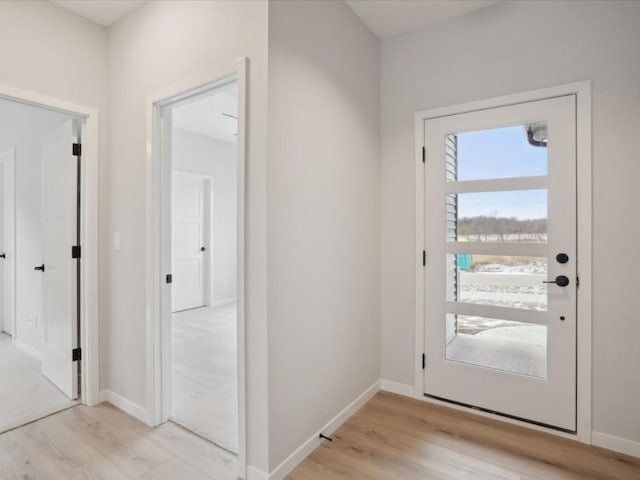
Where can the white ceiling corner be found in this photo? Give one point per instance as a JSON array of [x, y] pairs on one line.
[[388, 18], [102, 12]]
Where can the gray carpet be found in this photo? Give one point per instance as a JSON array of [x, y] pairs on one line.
[[25, 395], [205, 375]]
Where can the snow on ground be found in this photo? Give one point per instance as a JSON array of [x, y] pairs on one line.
[[537, 267], [513, 286]]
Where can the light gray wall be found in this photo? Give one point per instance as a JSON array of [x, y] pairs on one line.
[[197, 153], [323, 210], [159, 44], [22, 127], [509, 48]]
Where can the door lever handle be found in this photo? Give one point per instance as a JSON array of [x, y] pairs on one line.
[[41, 268], [3, 255], [561, 281]]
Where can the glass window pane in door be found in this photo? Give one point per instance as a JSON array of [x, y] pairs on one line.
[[507, 216], [513, 151], [497, 280], [500, 344]]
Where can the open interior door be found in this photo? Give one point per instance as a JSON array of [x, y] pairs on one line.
[[60, 215]]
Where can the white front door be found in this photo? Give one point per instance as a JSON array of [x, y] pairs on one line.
[[60, 291], [500, 216], [189, 244]]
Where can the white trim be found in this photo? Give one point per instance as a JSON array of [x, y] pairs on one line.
[[496, 185], [396, 387], [304, 450], [498, 248], [582, 90], [223, 301], [28, 349], [254, 473], [123, 404], [89, 322], [8, 160], [618, 444], [158, 241]]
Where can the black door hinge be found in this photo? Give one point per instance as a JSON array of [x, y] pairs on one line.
[[76, 251], [76, 354], [77, 149], [424, 258], [577, 282], [169, 278], [424, 155], [424, 361]]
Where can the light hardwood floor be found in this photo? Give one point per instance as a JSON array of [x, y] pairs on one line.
[[104, 443], [394, 437], [205, 392]]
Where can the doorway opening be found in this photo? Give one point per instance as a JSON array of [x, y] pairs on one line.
[[196, 263], [204, 265], [40, 243]]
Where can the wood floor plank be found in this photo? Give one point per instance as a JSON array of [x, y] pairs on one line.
[[397, 437], [103, 443]]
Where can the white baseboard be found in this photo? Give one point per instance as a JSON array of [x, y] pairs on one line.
[[125, 405], [28, 349], [255, 474], [222, 301], [304, 450], [399, 388], [622, 445]]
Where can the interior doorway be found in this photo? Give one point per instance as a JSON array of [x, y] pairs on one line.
[[40, 284], [196, 131], [204, 264]]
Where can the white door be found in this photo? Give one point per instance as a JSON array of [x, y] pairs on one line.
[[189, 246], [60, 169], [500, 216], [4, 320]]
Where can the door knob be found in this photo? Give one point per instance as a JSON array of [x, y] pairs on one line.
[[41, 268], [203, 249], [561, 281]]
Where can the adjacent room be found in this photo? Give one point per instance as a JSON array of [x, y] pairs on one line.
[[204, 267], [37, 301]]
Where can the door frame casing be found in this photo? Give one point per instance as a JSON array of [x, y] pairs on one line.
[[8, 161], [582, 91], [89, 306], [158, 294]]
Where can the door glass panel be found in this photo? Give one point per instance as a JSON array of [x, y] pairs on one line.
[[507, 216], [505, 345], [503, 281], [515, 151]]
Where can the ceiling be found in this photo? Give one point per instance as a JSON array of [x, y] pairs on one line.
[[102, 12], [388, 18], [385, 18], [204, 115]]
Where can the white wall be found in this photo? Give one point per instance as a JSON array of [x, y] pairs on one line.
[[22, 127], [159, 44], [323, 249], [509, 48], [197, 153]]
